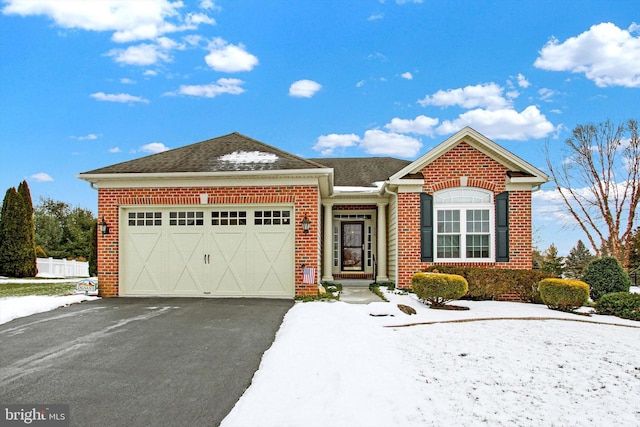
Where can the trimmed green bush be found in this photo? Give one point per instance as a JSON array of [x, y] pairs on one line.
[[491, 283], [604, 276], [562, 294], [438, 289], [621, 304]]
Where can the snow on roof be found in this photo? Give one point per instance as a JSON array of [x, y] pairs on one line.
[[249, 157], [357, 189]]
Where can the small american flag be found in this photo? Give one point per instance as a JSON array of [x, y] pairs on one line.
[[308, 275]]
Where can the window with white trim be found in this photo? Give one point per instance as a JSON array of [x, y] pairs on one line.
[[464, 225]]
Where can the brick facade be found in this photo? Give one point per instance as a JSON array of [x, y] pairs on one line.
[[445, 172], [304, 198]]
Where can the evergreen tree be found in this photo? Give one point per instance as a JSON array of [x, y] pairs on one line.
[[578, 259], [28, 232], [11, 235], [552, 263], [63, 231]]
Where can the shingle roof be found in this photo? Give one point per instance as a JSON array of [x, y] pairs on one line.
[[362, 171], [232, 152]]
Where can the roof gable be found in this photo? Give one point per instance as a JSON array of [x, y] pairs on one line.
[[517, 167], [229, 153]]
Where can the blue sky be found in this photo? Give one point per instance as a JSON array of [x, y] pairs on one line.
[[84, 84]]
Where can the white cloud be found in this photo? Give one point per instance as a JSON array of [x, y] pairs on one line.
[[605, 54], [304, 88], [142, 54], [41, 177], [153, 147], [379, 142], [421, 125], [546, 94], [128, 20], [88, 137], [117, 97], [375, 17], [408, 1], [127, 81], [483, 95], [115, 150], [209, 5], [229, 58], [195, 19], [407, 76], [377, 55], [522, 81], [222, 86], [360, 83], [512, 94], [150, 73], [506, 124], [327, 144]]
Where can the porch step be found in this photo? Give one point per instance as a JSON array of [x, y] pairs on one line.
[[358, 295]]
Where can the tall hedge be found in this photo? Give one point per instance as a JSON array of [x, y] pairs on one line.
[[17, 251], [491, 283]]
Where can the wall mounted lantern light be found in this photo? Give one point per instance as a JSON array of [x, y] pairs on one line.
[[104, 227], [305, 224]]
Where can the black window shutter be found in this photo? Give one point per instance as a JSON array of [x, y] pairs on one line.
[[426, 227], [502, 227]]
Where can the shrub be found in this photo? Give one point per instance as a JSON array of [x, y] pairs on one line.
[[606, 275], [621, 304], [438, 289], [563, 295], [492, 283]]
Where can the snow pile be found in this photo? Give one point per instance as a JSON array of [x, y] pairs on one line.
[[14, 307], [249, 157], [334, 364]]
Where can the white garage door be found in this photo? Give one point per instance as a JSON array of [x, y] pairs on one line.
[[193, 251]]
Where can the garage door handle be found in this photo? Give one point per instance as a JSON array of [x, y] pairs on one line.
[[208, 259]]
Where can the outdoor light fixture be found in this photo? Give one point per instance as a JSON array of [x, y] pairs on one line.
[[305, 224], [104, 228]]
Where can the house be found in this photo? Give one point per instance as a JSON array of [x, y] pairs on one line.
[[232, 216]]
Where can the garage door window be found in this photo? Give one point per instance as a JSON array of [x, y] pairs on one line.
[[187, 218], [272, 218], [229, 218], [144, 219]]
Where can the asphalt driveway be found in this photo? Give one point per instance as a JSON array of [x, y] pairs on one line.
[[139, 361]]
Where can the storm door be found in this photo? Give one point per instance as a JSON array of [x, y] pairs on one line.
[[352, 246]]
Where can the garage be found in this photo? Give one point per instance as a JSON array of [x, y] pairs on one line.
[[221, 251]]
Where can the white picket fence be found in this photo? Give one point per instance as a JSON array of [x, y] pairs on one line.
[[61, 268]]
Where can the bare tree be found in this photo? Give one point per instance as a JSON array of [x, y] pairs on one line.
[[598, 182]]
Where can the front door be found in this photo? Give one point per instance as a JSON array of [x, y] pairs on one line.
[[352, 246]]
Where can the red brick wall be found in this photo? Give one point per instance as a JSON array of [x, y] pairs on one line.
[[445, 172], [305, 198]]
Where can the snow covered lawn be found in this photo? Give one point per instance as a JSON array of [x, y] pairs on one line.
[[332, 364], [14, 307]]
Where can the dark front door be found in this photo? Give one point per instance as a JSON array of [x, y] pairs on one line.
[[352, 245]]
